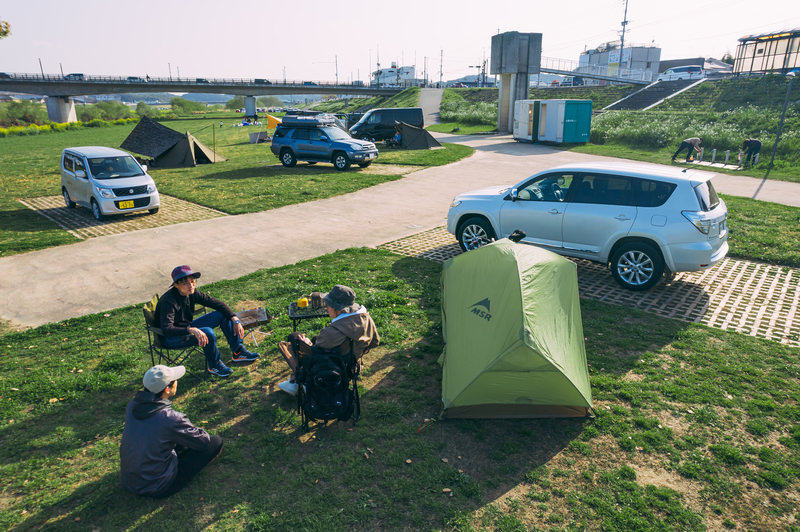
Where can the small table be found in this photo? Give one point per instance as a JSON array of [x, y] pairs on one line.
[[296, 314], [253, 319]]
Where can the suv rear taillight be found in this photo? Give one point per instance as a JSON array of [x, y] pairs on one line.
[[701, 220]]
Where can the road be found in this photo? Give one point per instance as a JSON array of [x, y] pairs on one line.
[[103, 273]]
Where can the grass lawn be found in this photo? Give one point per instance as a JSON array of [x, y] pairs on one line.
[[694, 428], [462, 129], [251, 180], [663, 156]]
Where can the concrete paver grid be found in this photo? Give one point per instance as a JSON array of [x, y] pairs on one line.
[[80, 223], [742, 296]]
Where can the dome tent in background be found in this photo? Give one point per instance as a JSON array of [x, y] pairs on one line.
[[513, 335]]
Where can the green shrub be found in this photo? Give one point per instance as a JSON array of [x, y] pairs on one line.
[[95, 123], [3, 132]]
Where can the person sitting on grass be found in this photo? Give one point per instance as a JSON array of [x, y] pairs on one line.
[[349, 320], [175, 318], [161, 450]]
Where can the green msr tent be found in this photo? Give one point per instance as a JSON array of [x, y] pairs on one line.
[[513, 335]]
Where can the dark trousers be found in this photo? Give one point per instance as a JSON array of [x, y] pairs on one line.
[[190, 462], [683, 145], [751, 153], [206, 323]]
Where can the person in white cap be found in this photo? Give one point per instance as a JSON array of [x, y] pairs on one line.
[[349, 321], [161, 450]]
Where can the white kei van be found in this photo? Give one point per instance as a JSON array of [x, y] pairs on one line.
[[107, 181]]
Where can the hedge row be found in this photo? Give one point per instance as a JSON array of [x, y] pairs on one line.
[[54, 127]]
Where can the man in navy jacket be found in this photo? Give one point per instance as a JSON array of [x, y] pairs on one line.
[[161, 450]]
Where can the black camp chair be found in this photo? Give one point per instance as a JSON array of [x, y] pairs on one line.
[[167, 356]]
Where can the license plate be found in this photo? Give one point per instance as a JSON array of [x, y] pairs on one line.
[[371, 156], [126, 204]]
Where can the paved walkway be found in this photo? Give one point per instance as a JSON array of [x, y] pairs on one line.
[[106, 272]]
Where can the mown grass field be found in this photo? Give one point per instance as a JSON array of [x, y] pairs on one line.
[[251, 180], [693, 429]]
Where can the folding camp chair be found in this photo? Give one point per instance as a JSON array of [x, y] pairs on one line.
[[169, 356]]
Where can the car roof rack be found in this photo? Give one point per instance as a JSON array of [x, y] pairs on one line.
[[308, 121]]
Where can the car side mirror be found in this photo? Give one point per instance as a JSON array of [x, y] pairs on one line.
[[323, 138], [514, 194], [80, 173], [144, 168]]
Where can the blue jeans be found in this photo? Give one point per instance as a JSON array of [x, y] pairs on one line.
[[206, 323]]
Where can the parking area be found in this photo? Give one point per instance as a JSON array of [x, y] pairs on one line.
[[80, 223], [747, 297]]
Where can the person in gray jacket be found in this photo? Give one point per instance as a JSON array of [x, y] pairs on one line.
[[161, 450]]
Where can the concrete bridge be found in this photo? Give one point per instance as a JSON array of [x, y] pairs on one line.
[[61, 89]]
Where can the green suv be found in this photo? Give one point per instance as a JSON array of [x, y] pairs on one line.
[[317, 139]]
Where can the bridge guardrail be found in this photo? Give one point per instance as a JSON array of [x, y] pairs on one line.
[[160, 80]]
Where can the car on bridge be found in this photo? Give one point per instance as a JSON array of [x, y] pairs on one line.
[[107, 181], [643, 220], [318, 139], [75, 76], [135, 79], [682, 72]]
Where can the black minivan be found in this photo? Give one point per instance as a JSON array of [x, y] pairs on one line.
[[378, 124]]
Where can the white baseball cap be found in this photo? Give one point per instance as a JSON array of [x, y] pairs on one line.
[[158, 377]]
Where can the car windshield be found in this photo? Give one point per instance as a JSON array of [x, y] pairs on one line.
[[114, 167], [707, 196], [334, 133]]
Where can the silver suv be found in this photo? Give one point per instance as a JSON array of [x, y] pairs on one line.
[[318, 139], [641, 219], [107, 181]]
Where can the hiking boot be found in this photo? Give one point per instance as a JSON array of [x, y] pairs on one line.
[[220, 370], [243, 355], [289, 387]]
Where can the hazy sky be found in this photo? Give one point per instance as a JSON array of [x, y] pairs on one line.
[[262, 38]]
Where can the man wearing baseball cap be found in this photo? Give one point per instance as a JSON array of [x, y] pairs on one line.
[[161, 450], [349, 320], [174, 314]]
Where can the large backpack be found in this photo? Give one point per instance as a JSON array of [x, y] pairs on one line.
[[325, 392]]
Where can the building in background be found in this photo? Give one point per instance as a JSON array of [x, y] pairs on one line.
[[395, 76], [776, 52], [609, 60]]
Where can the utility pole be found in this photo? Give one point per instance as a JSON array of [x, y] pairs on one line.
[[284, 74], [169, 67], [441, 56], [41, 69], [336, 60], [622, 41]]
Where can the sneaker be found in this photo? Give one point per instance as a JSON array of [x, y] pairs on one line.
[[244, 356], [221, 370], [289, 387]]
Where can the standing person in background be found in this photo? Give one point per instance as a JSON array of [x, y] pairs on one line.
[[751, 147], [688, 145]]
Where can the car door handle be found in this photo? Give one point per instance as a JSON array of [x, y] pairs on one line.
[[621, 218], [554, 211]]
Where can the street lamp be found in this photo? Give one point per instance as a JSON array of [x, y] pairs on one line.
[[790, 75]]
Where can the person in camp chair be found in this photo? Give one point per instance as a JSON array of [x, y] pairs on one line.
[[349, 321], [174, 316]]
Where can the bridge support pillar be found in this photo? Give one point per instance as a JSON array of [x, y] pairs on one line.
[[250, 106], [61, 109], [515, 56]]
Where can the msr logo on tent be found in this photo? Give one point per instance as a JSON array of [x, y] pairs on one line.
[[481, 309]]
